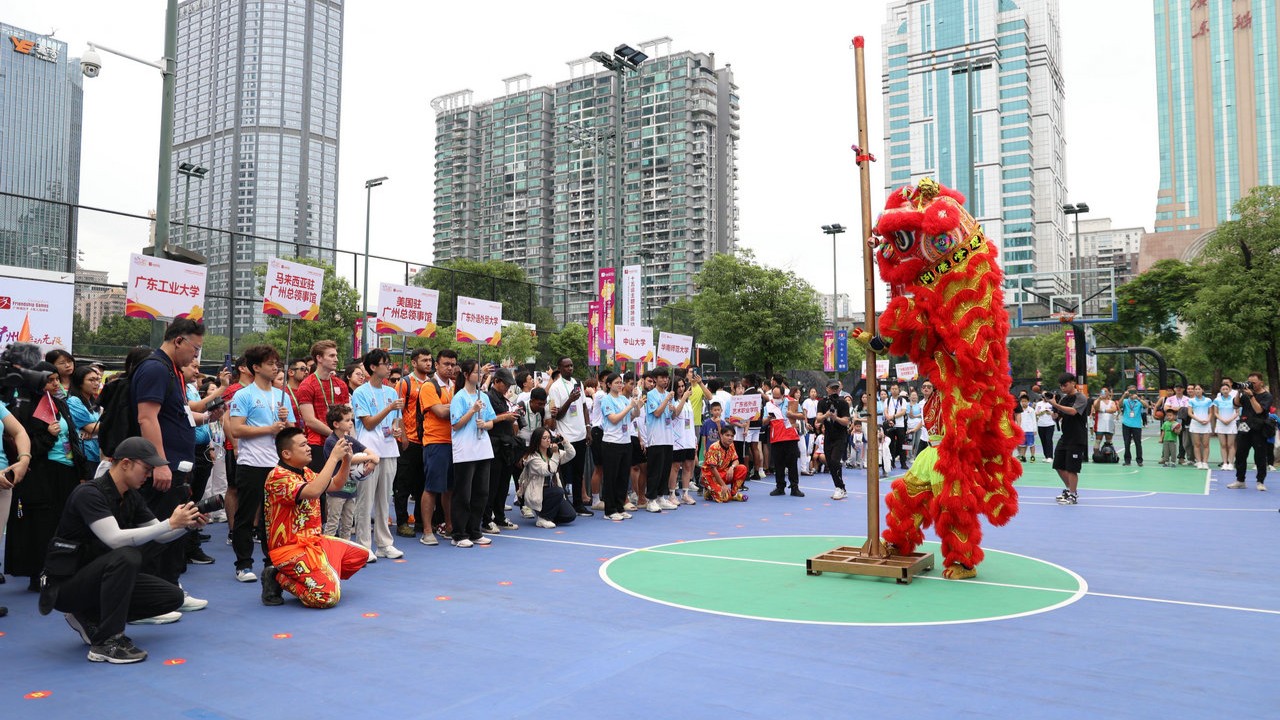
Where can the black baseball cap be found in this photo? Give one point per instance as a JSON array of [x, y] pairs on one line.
[[833, 384], [137, 448]]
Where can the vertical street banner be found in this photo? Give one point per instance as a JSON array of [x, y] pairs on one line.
[[1070, 365], [634, 344], [842, 351], [906, 372], [407, 310], [1091, 364], [828, 351], [632, 295], [674, 350], [36, 311], [882, 369], [608, 288], [593, 333], [292, 290], [479, 321], [162, 289]]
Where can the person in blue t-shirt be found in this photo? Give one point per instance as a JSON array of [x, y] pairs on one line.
[[1132, 408]]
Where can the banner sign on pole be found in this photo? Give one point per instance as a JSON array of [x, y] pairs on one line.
[[744, 407], [608, 288], [906, 371], [882, 369], [479, 321], [36, 311], [1070, 365], [842, 351], [162, 289], [407, 310], [1091, 364], [828, 351], [292, 290], [631, 295], [674, 350], [634, 343], [593, 333]]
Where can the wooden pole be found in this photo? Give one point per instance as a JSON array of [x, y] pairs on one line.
[[874, 546], [288, 343]]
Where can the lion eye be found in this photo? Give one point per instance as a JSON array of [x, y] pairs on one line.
[[903, 240]]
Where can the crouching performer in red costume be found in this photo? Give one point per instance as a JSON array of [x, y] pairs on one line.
[[305, 562], [947, 315]]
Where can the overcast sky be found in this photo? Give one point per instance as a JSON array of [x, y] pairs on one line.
[[795, 70]]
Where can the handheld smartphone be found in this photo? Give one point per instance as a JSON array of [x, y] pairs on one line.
[[226, 362]]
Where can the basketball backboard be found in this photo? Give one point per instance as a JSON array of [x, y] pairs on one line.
[[1048, 298]]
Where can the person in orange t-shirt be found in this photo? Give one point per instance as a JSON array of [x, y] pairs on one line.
[[437, 442], [410, 473]]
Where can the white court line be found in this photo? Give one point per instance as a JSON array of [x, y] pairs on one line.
[[1158, 507], [1163, 601]]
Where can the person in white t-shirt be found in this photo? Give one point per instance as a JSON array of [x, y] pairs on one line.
[[684, 447], [566, 403], [1027, 422], [1045, 425], [378, 410]]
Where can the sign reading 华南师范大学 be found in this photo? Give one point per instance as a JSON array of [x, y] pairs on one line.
[[37, 311], [162, 289], [674, 350]]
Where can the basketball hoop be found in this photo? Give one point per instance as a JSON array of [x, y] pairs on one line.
[[1064, 317]]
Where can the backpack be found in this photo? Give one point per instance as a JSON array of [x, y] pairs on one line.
[[1106, 454], [119, 419]]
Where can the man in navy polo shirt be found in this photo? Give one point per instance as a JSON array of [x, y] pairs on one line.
[[159, 396]]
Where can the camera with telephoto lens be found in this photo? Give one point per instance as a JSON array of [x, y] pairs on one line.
[[211, 504], [1239, 386], [15, 375]]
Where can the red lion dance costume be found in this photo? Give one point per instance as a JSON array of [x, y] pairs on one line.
[[947, 315]]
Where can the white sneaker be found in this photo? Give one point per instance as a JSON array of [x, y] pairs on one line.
[[1236, 486], [245, 575], [625, 515], [428, 538], [629, 506], [390, 552], [597, 505], [218, 516], [527, 512], [373, 558], [544, 523], [192, 604], [482, 541], [165, 619], [653, 506], [839, 494], [1229, 466], [463, 543], [666, 504], [687, 499], [490, 529], [508, 525], [614, 516]]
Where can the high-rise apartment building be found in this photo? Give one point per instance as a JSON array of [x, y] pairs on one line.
[[529, 177], [257, 106], [41, 104], [974, 98], [1218, 97]]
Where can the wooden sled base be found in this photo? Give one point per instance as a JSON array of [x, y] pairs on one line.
[[850, 561]]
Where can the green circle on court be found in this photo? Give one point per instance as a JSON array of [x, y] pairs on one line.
[[764, 578]]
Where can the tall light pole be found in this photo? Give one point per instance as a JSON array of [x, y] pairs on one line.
[[369, 185], [833, 230], [91, 65], [187, 171], [968, 68], [1077, 283], [625, 59]]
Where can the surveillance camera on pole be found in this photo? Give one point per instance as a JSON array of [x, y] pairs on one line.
[[91, 63]]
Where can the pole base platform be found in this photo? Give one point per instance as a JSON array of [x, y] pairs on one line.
[[851, 561]]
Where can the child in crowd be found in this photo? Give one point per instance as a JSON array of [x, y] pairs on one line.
[[1170, 429], [709, 434], [1027, 421], [817, 458], [858, 445], [340, 513]]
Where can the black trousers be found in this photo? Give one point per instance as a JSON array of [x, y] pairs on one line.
[[1046, 442], [556, 507], [897, 436], [1255, 440], [112, 590], [616, 468], [574, 475], [499, 486], [169, 561], [786, 459], [250, 487], [408, 484], [1132, 435], [834, 448], [659, 471], [470, 493], [199, 483]]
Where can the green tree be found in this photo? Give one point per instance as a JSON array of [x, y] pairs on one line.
[[676, 317], [123, 332], [1236, 311], [756, 316], [1153, 303], [339, 311], [571, 341], [1045, 353], [486, 280]]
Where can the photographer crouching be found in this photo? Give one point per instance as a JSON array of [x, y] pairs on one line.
[[93, 567]]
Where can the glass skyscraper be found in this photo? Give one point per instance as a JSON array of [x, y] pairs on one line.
[[989, 70], [41, 103], [1218, 97], [258, 96], [529, 177]]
